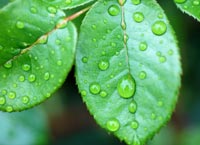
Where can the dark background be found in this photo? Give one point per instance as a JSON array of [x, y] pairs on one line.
[[64, 119]]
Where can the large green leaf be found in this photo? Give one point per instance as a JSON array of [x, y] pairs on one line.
[[191, 7], [35, 53], [127, 67]]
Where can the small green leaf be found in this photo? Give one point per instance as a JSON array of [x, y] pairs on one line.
[[127, 67], [37, 52], [191, 7]]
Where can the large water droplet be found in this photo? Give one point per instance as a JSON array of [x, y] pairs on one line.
[[25, 99], [95, 88], [180, 1], [159, 28], [31, 78], [132, 107], [113, 10], [138, 17], [103, 65], [8, 64], [12, 95], [2, 100], [26, 67], [52, 10], [134, 124], [113, 125], [136, 2], [126, 86], [20, 24]]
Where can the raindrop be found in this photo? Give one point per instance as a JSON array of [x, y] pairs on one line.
[[59, 62], [84, 59], [43, 39], [83, 93], [143, 46], [26, 67], [52, 10], [68, 2], [142, 75], [20, 25], [103, 65], [2, 100], [126, 86], [180, 1], [94, 26], [196, 2], [136, 2], [134, 124], [12, 95], [33, 10], [95, 88], [160, 103], [113, 125], [113, 10], [132, 107], [9, 108], [103, 94], [138, 17], [8, 64], [153, 116], [170, 52], [46, 76], [3, 92], [162, 59], [121, 2], [31, 78], [25, 99], [58, 42], [159, 28]]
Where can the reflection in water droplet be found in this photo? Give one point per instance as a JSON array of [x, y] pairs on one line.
[[126, 86], [159, 28], [113, 125], [95, 88], [113, 10]]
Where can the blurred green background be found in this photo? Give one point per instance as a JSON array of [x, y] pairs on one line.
[[64, 119]]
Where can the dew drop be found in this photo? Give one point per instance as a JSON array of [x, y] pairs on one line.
[[153, 116], [162, 59], [136, 2], [31, 78], [103, 65], [52, 10], [43, 39], [103, 94], [20, 24], [46, 76], [25, 99], [68, 2], [83, 93], [33, 10], [62, 23], [126, 86], [84, 59], [142, 75], [58, 42], [180, 1], [59, 62], [143, 46], [3, 92], [9, 108], [160, 103], [170, 52], [2, 100], [12, 95], [138, 17], [113, 125], [132, 107], [95, 88], [196, 2], [121, 2], [159, 28], [94, 26], [113, 10], [134, 124], [8, 64], [26, 67]]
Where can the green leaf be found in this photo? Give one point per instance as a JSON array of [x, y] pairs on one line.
[[191, 7], [127, 68], [36, 55]]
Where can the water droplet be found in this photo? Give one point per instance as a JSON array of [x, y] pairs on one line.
[[58, 42], [170, 52], [153, 116], [68, 2], [2, 100], [83, 93], [159, 28], [21, 78], [103, 94], [9, 108], [134, 124], [103, 65], [126, 86], [20, 25], [94, 26], [59, 62], [31, 78], [123, 25], [142, 75], [196, 2], [43, 39], [113, 10], [3, 92], [25, 99], [132, 107], [160, 103], [121, 2], [15, 85], [1, 47], [138, 17], [160, 15], [26, 67], [8, 64], [136, 2], [180, 1], [33, 10], [143, 46], [52, 10], [136, 140], [113, 125], [84, 59], [162, 59], [46, 76], [95, 88], [62, 23], [12, 95]]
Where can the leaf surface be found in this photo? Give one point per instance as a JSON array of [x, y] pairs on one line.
[[127, 68], [191, 7], [36, 54]]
